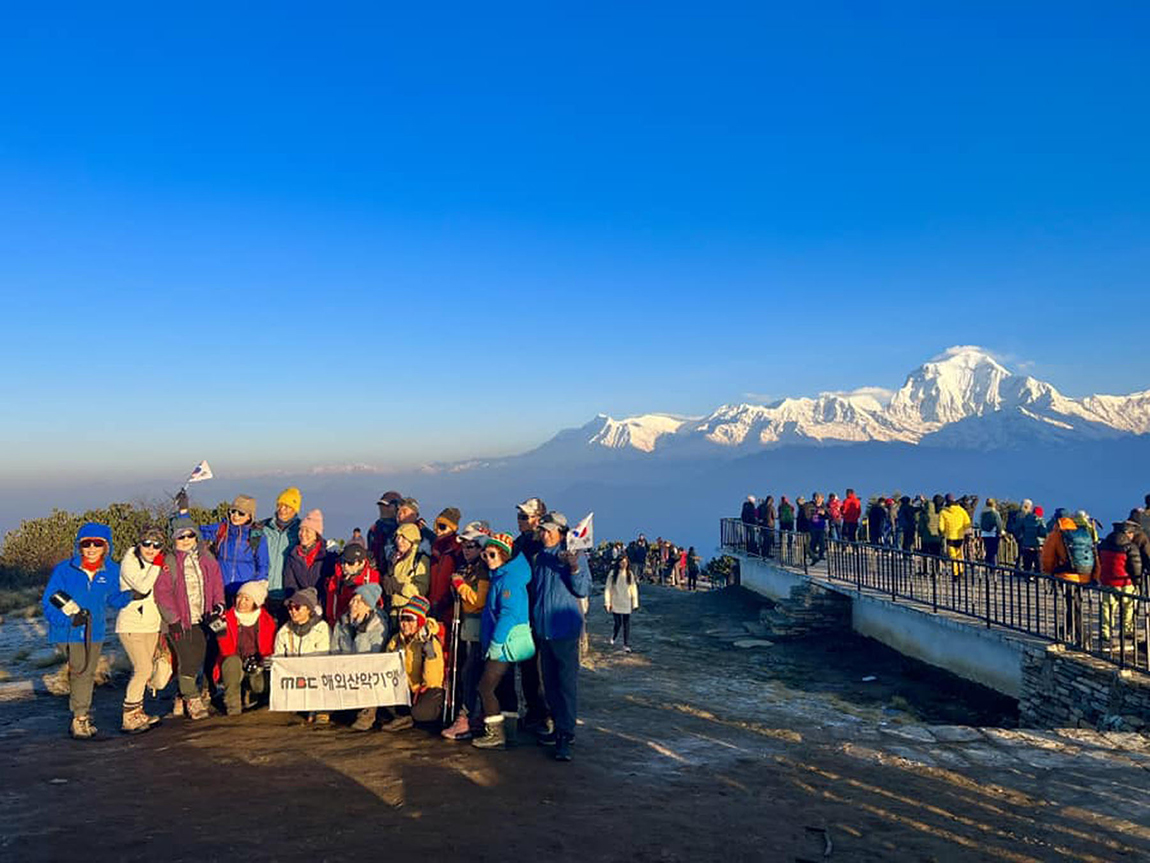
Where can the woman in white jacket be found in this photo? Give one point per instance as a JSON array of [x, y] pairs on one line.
[[138, 624], [621, 597], [305, 632]]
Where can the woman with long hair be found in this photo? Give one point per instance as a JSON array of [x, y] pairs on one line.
[[621, 597], [138, 623]]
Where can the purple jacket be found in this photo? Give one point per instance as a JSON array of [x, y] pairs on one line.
[[172, 594]]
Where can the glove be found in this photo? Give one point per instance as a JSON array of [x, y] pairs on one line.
[[456, 581], [495, 651], [79, 618], [71, 608], [218, 610], [136, 595]]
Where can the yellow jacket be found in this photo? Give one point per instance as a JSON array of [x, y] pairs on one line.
[[422, 657], [953, 522]]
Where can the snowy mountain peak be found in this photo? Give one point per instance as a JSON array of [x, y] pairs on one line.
[[962, 382]]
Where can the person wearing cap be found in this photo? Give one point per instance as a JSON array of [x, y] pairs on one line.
[[351, 572], [469, 584], [446, 557], [239, 545], [559, 584], [83, 586], [138, 623], [361, 629], [1119, 569], [379, 534], [418, 638], [308, 563], [536, 716], [409, 569], [527, 517], [248, 642], [190, 589], [505, 634], [281, 532]]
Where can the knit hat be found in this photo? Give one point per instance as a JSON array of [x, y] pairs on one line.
[[409, 532], [450, 515], [474, 530], [183, 524], [500, 540], [370, 593], [291, 497], [307, 597], [417, 607], [532, 506], [1038, 511], [353, 552], [153, 533], [246, 505], [314, 520], [409, 502], [256, 591]]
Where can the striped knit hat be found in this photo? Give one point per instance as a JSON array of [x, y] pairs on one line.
[[500, 540], [417, 607]]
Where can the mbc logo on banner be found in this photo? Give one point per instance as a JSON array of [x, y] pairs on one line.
[[339, 681]]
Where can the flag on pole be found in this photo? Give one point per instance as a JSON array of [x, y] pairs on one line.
[[200, 472], [582, 536]]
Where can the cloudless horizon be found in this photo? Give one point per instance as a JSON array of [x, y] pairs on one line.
[[285, 235]]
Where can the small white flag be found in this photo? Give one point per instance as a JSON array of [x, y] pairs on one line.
[[201, 472], [582, 536]]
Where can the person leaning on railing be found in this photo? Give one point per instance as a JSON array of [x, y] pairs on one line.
[[1068, 554], [1119, 568], [954, 525]]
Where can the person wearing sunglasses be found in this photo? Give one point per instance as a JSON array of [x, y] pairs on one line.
[[419, 639], [240, 546], [353, 571], [189, 590], [138, 624], [505, 634], [536, 717], [305, 632], [83, 586], [559, 586], [469, 584], [446, 557]]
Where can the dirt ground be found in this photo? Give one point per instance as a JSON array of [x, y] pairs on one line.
[[689, 749]]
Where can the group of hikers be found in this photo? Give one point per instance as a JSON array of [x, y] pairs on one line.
[[210, 604], [660, 562], [1070, 546]]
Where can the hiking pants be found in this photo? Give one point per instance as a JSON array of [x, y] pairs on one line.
[[560, 660], [990, 547], [471, 667], [1072, 599], [190, 649], [233, 677], [80, 679], [141, 650], [851, 531], [1030, 559], [818, 544], [623, 621], [1110, 612]]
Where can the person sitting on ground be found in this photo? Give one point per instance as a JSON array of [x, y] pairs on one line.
[[470, 584], [91, 580], [305, 633], [362, 629], [189, 592], [138, 624], [621, 598], [308, 564], [418, 640], [409, 572], [352, 572], [240, 547], [243, 649]]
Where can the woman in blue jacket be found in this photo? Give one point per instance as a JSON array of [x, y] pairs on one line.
[[87, 583], [505, 633]]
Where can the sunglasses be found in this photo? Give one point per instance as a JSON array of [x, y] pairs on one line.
[[491, 555], [236, 512], [149, 543], [441, 525], [522, 516], [185, 536], [471, 546], [89, 543]]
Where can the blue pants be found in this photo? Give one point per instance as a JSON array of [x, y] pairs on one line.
[[560, 661]]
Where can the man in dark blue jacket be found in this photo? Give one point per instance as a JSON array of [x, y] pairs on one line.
[[559, 582]]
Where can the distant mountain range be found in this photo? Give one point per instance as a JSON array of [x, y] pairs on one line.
[[962, 399]]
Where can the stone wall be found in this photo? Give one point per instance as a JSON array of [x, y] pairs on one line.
[[1062, 688], [808, 608]]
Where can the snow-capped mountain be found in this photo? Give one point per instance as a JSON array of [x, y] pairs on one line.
[[964, 398]]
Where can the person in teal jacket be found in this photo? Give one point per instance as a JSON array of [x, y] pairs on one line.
[[79, 592], [281, 533]]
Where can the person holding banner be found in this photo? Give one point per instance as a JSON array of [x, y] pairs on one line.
[[305, 633], [361, 629], [248, 641], [418, 640], [505, 634]]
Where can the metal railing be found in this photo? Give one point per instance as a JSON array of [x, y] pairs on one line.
[[1103, 621]]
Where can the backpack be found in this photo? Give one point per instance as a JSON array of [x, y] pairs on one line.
[[1079, 550]]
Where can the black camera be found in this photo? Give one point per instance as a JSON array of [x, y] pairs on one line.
[[253, 664]]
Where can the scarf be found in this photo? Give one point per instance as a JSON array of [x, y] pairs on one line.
[[247, 618], [302, 629]]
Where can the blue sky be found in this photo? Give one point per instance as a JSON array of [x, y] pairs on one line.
[[292, 235]]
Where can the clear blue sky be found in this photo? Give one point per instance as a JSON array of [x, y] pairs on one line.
[[298, 234]]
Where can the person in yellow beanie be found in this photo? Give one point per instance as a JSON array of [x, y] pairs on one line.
[[282, 533]]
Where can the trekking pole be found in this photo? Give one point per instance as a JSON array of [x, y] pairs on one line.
[[449, 696]]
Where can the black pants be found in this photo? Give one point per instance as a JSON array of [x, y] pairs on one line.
[[623, 621], [908, 540], [494, 672], [470, 668], [851, 531], [768, 542], [1030, 559], [190, 649], [818, 544], [692, 578], [990, 546]]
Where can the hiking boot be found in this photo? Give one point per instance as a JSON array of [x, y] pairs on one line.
[[493, 734], [177, 707], [82, 728], [135, 720], [400, 723], [323, 719], [196, 709], [364, 720], [458, 730], [563, 747]]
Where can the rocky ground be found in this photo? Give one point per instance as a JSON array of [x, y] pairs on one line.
[[689, 749]]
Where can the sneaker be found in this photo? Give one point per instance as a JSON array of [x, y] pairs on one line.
[[364, 720], [458, 730], [563, 748], [196, 709], [400, 723], [627, 648], [82, 728], [612, 642], [177, 707]]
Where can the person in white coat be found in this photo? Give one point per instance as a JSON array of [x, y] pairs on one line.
[[621, 597], [138, 624], [306, 631]]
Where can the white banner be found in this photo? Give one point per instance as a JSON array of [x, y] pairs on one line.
[[338, 681]]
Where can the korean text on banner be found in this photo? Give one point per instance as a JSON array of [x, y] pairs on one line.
[[339, 681]]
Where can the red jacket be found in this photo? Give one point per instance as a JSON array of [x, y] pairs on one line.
[[852, 509], [446, 557], [340, 591], [834, 509], [229, 641]]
